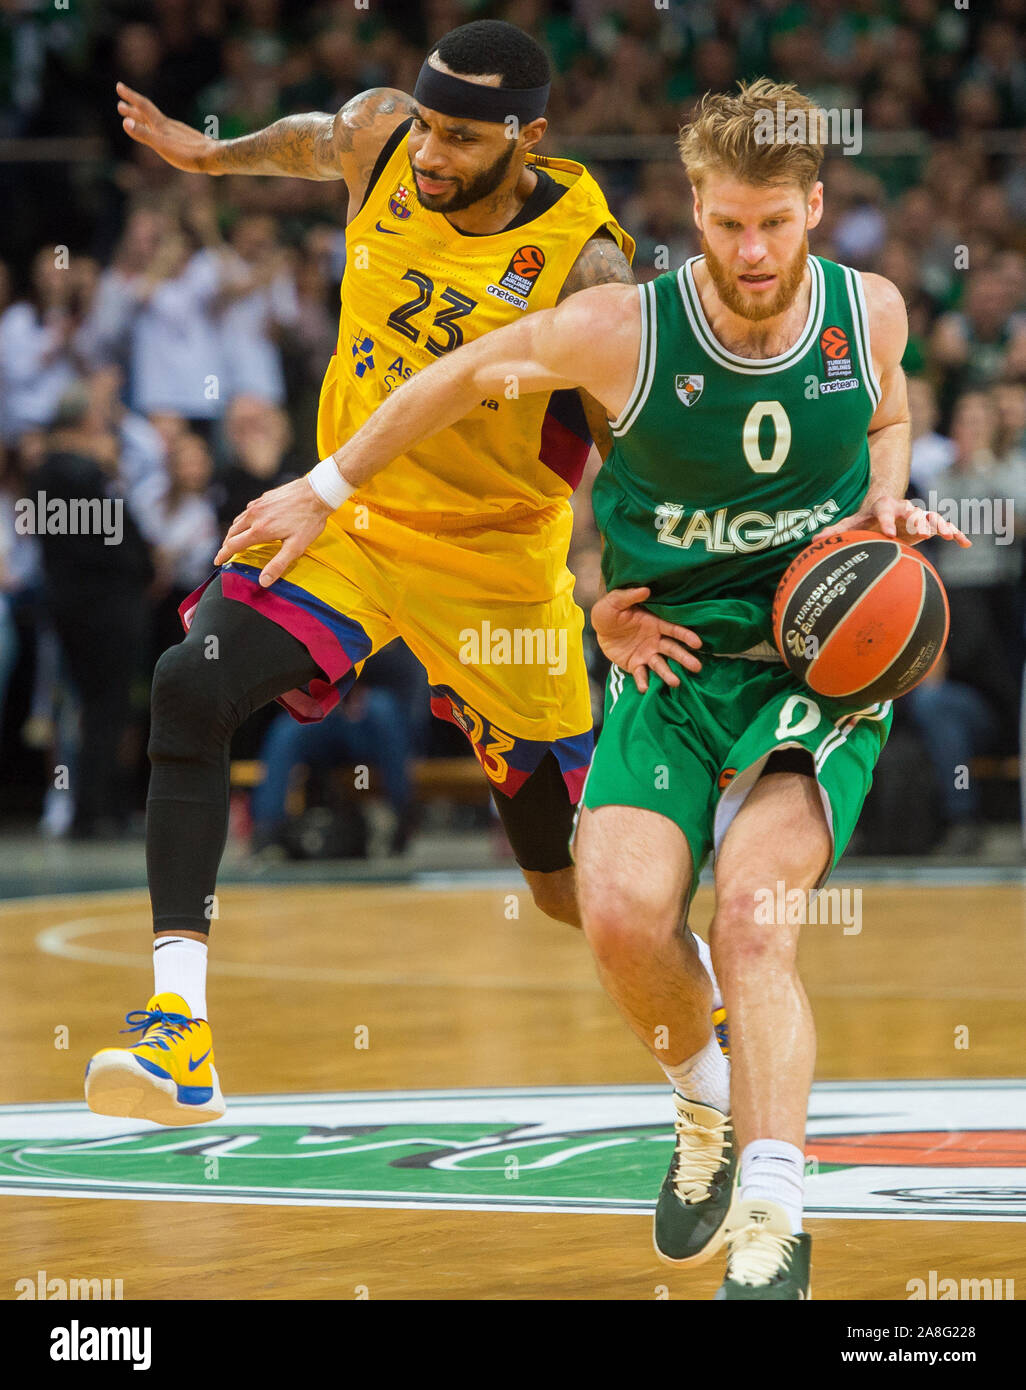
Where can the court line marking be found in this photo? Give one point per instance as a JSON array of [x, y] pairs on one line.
[[820, 1214], [641, 1088], [135, 1195], [62, 940]]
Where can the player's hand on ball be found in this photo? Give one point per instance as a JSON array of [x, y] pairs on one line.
[[898, 518], [637, 641], [292, 514], [177, 143]]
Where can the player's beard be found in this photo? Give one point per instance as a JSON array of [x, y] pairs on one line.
[[466, 194], [748, 306]]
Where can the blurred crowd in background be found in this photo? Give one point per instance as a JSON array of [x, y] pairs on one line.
[[119, 274]]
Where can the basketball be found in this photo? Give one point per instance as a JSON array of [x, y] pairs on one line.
[[860, 617], [528, 261]]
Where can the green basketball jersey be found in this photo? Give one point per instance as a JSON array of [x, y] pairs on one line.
[[724, 467]]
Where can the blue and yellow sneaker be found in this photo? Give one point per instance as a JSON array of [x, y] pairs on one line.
[[167, 1076], [720, 1028], [719, 1013]]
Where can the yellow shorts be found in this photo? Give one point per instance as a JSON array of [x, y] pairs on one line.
[[489, 614]]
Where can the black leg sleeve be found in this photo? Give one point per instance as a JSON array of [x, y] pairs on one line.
[[232, 662], [539, 819]]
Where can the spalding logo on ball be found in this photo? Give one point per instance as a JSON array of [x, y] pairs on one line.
[[860, 617]]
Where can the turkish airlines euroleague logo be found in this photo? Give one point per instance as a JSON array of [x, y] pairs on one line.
[[836, 350], [525, 265]]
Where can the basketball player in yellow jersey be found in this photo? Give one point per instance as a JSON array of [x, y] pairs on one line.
[[455, 228]]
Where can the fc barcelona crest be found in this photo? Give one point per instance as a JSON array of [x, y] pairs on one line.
[[689, 388], [397, 204]]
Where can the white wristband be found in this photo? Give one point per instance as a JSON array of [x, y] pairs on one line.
[[329, 484]]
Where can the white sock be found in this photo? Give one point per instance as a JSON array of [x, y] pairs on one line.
[[775, 1172], [705, 1077], [180, 967], [706, 955]]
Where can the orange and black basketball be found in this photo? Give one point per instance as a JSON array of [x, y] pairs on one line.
[[528, 261], [860, 617]]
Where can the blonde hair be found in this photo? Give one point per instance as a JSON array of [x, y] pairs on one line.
[[724, 136]]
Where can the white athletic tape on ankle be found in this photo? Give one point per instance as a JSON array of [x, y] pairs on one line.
[[329, 484]]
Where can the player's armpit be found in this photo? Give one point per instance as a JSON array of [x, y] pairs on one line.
[[888, 322], [890, 435]]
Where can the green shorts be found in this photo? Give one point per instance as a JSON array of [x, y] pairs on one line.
[[694, 753]]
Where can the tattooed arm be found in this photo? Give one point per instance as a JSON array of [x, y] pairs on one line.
[[601, 262], [314, 146]]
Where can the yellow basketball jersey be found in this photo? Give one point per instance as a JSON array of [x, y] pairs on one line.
[[414, 289]]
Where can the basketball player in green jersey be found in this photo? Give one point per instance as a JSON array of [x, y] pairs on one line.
[[756, 399]]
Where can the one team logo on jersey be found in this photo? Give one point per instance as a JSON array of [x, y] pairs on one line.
[[518, 279], [836, 350], [689, 388], [398, 203]]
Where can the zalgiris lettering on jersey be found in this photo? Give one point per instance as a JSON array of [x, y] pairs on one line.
[[742, 533]]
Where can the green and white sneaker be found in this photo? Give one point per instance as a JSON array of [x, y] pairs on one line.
[[694, 1200], [765, 1260]]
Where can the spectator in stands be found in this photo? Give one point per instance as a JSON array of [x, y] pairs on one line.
[[932, 453], [259, 437], [176, 358], [40, 340], [307, 346], [660, 219], [368, 727], [128, 282], [18, 560], [178, 519], [96, 596], [245, 95], [957, 723], [142, 449], [999, 68], [170, 426], [258, 303], [986, 341], [1009, 400], [971, 705]]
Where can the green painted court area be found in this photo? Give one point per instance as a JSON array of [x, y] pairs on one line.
[[438, 1162], [880, 1149]]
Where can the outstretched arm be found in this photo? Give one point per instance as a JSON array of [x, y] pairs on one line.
[[543, 352], [310, 146]]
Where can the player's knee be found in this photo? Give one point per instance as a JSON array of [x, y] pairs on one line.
[[624, 923], [189, 715], [555, 894], [745, 938]]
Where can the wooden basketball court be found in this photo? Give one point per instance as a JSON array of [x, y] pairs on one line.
[[380, 988]]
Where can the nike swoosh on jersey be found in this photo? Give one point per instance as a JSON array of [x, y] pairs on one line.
[[199, 1060], [389, 231]]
